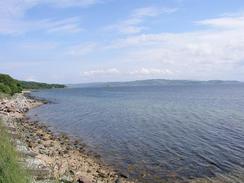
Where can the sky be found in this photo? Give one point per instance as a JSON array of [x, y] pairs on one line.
[[80, 41]]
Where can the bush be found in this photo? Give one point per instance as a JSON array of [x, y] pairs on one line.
[[9, 85], [35, 85], [5, 89], [10, 169]]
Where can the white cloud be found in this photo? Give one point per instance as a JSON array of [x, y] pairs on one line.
[[133, 25], [69, 25], [224, 22], [18, 8], [30, 78], [111, 71], [15, 27], [151, 71], [215, 53], [37, 46], [13, 19], [15, 8], [70, 3], [82, 49], [138, 72], [151, 11]]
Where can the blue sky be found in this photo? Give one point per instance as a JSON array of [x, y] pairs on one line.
[[74, 41]]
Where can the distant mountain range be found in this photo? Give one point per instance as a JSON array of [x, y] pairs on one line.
[[153, 82]]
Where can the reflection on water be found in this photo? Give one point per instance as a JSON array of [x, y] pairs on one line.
[[173, 133]]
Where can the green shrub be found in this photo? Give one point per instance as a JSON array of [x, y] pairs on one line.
[[10, 169], [8, 83], [36, 85], [11, 86], [4, 88]]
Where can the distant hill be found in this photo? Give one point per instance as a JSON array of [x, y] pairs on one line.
[[153, 82], [9, 85], [37, 85]]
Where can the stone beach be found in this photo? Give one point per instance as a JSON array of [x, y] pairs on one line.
[[50, 157]]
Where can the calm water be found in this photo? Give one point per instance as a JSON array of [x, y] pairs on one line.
[[171, 133]]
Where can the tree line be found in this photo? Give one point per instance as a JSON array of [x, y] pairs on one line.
[[11, 86]]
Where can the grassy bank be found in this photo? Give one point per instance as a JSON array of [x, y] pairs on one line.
[[3, 95], [10, 170]]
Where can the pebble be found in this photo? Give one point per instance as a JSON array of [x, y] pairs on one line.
[[66, 158]]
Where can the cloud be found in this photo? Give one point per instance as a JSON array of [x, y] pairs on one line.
[[68, 25], [71, 3], [82, 49], [138, 72], [15, 8], [224, 22], [37, 46], [151, 71], [30, 78], [111, 71], [151, 11], [18, 8], [16, 27], [13, 16], [215, 52], [133, 24]]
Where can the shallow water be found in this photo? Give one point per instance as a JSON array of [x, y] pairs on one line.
[[170, 133]]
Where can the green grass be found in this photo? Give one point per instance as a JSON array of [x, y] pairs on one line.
[[3, 95], [10, 169]]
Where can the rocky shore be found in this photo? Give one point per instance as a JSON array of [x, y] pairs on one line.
[[49, 157]]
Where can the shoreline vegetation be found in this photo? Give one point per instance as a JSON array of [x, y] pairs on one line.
[[10, 86], [32, 153], [10, 170]]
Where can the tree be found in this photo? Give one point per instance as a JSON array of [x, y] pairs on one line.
[[4, 88]]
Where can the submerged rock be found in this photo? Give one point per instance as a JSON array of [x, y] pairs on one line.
[[47, 155]]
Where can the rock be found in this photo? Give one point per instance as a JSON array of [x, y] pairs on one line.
[[118, 180], [39, 173], [102, 174], [123, 176], [61, 156], [43, 151], [80, 181], [66, 179], [72, 172], [31, 145]]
